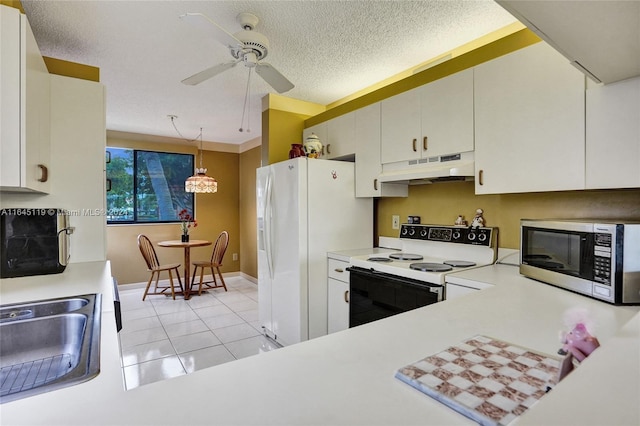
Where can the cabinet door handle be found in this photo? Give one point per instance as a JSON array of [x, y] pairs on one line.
[[415, 148], [375, 184], [328, 149], [425, 143], [481, 177], [108, 157], [339, 270], [44, 175], [108, 184], [346, 296]]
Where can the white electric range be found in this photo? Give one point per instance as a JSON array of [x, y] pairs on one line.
[[385, 284]]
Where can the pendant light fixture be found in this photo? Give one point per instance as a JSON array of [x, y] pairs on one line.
[[200, 182]]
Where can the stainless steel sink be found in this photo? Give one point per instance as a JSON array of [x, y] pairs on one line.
[[48, 344]]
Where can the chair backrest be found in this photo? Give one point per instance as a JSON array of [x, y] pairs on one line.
[[220, 248], [148, 252]]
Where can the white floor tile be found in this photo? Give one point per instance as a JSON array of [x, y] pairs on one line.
[[252, 294], [216, 327], [142, 312], [245, 305], [235, 332], [171, 306], [192, 342], [232, 296], [204, 358], [184, 328], [223, 321], [197, 302], [213, 311], [141, 323], [249, 316], [147, 352], [177, 317], [153, 371], [133, 338], [251, 346]]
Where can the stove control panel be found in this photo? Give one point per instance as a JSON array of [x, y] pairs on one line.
[[449, 234]]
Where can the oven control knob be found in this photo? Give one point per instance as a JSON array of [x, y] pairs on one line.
[[404, 231], [412, 232], [456, 235], [423, 233], [482, 237], [471, 236]]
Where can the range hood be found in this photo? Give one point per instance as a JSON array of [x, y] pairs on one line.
[[429, 170], [599, 37]]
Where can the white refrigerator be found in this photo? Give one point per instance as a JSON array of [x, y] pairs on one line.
[[306, 208]]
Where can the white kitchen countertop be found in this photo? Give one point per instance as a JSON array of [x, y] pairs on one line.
[[348, 377], [345, 255]]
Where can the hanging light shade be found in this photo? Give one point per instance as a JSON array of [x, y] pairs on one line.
[[200, 182]]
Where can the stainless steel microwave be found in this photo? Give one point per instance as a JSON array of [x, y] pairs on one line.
[[33, 241], [600, 259]]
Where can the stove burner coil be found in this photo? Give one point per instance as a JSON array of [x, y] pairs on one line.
[[406, 256], [379, 259], [430, 267]]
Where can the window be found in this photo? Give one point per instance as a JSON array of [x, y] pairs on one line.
[[147, 186]]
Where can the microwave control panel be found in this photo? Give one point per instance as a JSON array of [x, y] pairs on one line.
[[602, 244]]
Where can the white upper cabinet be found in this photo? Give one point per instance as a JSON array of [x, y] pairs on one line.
[[447, 115], [336, 135], [529, 123], [428, 121], [24, 107], [341, 133], [600, 37], [613, 135], [320, 130], [401, 128], [368, 167]]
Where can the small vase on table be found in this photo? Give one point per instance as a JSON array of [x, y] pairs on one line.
[[185, 238]]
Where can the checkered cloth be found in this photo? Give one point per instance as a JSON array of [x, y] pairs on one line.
[[486, 379]]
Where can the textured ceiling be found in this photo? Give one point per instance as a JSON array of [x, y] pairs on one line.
[[328, 49]]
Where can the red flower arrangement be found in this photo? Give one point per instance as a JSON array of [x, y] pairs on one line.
[[187, 221]]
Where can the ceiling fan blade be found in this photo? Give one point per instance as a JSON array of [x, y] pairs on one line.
[[210, 27], [273, 77], [208, 73]]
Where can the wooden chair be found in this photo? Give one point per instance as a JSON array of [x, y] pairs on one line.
[[154, 266], [219, 249]]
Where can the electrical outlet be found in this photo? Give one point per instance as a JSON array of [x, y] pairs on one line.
[[395, 221], [235, 256]]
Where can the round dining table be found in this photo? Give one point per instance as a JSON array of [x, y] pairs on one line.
[[187, 258]]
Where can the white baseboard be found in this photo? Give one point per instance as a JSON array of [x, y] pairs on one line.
[[134, 286]]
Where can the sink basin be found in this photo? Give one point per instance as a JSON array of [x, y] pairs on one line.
[[50, 344], [41, 308]]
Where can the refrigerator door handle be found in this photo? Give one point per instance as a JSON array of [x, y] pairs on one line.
[[267, 224]]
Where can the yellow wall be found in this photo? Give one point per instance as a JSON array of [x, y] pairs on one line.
[[214, 213], [282, 123], [249, 162], [441, 203]]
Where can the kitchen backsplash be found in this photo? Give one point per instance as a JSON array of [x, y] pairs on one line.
[[442, 203]]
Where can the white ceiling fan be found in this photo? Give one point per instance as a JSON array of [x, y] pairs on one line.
[[247, 46]]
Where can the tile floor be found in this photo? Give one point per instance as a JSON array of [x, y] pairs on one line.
[[163, 338]]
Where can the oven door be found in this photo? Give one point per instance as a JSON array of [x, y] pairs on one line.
[[376, 295]]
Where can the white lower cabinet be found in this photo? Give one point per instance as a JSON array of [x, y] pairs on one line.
[[529, 123], [338, 296], [613, 135], [453, 291]]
